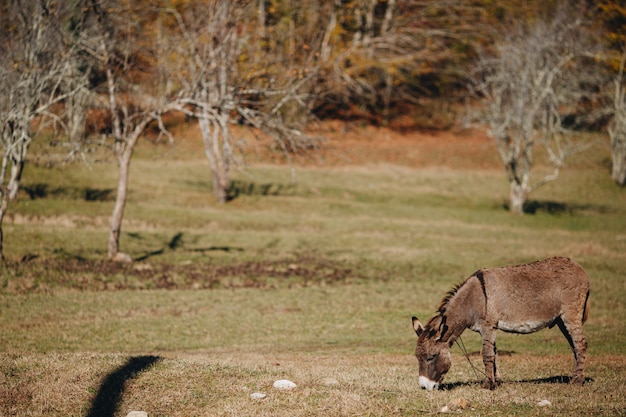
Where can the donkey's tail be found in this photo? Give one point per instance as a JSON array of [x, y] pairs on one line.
[[586, 308]]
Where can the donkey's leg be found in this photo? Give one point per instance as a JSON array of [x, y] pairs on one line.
[[489, 357], [573, 332], [497, 365]]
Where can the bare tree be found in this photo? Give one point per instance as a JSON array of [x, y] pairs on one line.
[[34, 65], [617, 127], [223, 83], [537, 75], [123, 55]]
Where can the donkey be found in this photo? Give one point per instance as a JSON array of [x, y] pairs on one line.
[[516, 299]]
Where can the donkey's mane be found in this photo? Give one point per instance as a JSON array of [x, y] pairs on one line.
[[449, 295], [440, 318]]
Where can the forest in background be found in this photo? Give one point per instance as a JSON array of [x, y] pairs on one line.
[[374, 60]]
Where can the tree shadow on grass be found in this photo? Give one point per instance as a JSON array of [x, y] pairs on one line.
[[559, 208], [43, 190], [238, 188], [107, 400], [176, 242]]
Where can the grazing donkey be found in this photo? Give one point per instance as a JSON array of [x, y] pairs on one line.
[[517, 299]]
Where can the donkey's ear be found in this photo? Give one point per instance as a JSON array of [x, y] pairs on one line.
[[417, 326], [442, 329]]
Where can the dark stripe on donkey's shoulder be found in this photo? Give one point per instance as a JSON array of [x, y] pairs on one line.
[[481, 278]]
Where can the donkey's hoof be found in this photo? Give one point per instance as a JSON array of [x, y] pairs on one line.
[[578, 380], [489, 384]]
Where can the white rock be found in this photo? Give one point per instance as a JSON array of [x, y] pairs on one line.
[[137, 414], [257, 395], [544, 403], [284, 385]]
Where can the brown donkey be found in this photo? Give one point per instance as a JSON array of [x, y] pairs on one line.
[[517, 299]]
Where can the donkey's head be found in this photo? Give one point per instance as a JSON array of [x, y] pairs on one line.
[[432, 353]]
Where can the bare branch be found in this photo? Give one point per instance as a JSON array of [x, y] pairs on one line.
[[538, 74]]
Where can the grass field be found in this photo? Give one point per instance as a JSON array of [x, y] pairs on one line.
[[303, 281]]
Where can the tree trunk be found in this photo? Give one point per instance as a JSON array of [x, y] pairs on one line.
[[124, 158], [617, 128], [618, 157], [516, 154], [4, 205], [120, 203], [261, 15], [332, 24], [518, 196], [221, 184], [16, 177], [17, 155], [364, 18], [78, 106], [7, 192], [389, 11], [368, 26], [217, 151]]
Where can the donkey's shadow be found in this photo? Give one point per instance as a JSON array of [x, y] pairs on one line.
[[558, 379]]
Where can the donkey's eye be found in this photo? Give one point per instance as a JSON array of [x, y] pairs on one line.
[[431, 358]]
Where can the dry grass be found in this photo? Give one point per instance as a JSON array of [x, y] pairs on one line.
[[215, 383]]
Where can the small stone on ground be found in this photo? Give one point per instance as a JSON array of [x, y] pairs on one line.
[[284, 385]]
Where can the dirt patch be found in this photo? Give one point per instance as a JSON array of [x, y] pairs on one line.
[[32, 275]]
